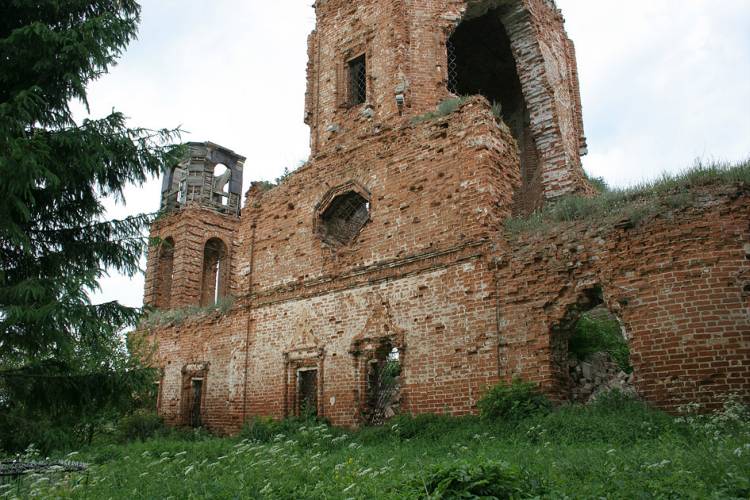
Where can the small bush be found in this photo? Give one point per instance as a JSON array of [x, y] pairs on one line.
[[513, 402], [598, 183], [478, 480], [733, 418], [261, 429], [264, 429], [140, 426]]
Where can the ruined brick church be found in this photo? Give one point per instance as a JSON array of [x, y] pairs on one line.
[[388, 245]]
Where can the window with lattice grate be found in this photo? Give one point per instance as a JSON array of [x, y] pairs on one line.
[[357, 80], [343, 219]]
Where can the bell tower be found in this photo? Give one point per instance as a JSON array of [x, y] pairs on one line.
[[378, 65], [190, 263]]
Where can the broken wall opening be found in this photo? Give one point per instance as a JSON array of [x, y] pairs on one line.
[[382, 385], [590, 351], [215, 272], [220, 184], [481, 61]]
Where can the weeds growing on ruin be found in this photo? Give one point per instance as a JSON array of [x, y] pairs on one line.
[[445, 108], [178, 316], [632, 205]]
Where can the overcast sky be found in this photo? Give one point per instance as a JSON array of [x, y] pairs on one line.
[[663, 82]]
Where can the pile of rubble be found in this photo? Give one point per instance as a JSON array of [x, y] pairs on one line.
[[597, 375]]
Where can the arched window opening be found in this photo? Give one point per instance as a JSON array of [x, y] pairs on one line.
[[164, 273], [480, 61], [590, 351], [383, 385], [344, 218], [222, 176], [215, 272]]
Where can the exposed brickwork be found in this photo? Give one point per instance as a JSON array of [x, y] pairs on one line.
[[427, 268], [189, 228], [678, 283]]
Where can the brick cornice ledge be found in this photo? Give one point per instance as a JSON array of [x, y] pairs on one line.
[[368, 275]]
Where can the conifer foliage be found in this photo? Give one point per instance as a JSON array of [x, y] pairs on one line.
[[56, 346]]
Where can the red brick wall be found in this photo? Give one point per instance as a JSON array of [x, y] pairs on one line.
[[433, 187], [465, 319], [406, 54], [190, 229], [678, 283], [432, 270]]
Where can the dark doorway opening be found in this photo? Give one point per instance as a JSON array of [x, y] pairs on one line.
[[383, 385], [196, 397], [480, 61], [307, 393]]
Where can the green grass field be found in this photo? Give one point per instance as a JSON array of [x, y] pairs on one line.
[[616, 448]]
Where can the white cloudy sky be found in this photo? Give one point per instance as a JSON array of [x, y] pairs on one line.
[[663, 82]]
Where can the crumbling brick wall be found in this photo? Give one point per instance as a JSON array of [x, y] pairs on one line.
[[406, 54], [678, 283], [430, 270], [433, 187]]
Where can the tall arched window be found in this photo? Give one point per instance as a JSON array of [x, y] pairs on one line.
[[164, 273], [215, 272], [222, 176]]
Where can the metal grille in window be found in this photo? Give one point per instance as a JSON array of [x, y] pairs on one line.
[[344, 218], [452, 67], [357, 81]]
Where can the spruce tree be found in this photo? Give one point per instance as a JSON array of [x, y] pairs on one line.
[[59, 353]]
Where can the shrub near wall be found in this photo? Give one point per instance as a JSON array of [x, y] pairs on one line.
[[513, 402]]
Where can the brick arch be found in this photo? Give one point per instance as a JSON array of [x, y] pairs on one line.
[[164, 273], [549, 131], [373, 343], [560, 334], [216, 271]]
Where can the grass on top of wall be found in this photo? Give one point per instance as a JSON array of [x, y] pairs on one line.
[[159, 317], [634, 204]]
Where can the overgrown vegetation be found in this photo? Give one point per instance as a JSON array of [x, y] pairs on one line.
[[636, 203], [513, 402], [616, 447], [596, 332], [159, 317], [445, 108]]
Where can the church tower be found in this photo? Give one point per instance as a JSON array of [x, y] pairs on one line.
[[376, 63], [190, 263]]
